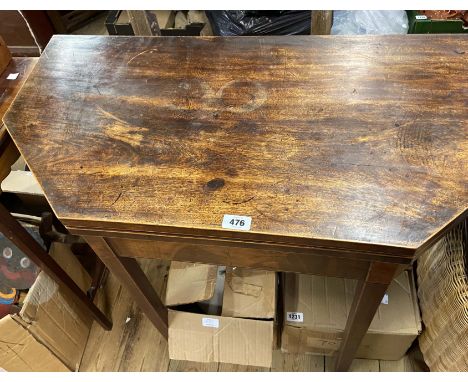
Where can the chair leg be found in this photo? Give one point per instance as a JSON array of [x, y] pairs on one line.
[[26, 243]]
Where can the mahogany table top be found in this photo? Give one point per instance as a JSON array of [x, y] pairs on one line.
[[355, 142]]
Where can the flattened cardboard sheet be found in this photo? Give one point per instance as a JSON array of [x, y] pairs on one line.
[[51, 331], [21, 352]]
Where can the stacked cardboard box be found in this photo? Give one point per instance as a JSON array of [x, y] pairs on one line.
[[221, 315], [316, 309], [51, 331]]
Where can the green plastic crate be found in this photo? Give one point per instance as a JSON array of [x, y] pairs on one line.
[[419, 25]]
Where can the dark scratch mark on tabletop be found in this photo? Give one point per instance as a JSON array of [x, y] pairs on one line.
[[239, 202], [117, 199]]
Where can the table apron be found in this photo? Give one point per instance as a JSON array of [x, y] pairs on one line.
[[273, 247], [307, 261]]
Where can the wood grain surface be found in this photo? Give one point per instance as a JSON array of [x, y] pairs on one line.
[[5, 55], [334, 141], [134, 343], [10, 88]]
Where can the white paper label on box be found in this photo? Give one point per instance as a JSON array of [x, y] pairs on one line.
[[237, 222], [385, 299], [12, 76], [421, 17], [210, 322], [295, 316]]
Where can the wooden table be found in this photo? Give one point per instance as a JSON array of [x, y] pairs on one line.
[[348, 153]]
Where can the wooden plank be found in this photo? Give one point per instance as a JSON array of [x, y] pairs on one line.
[[242, 257], [176, 365], [129, 273], [168, 239], [5, 55], [40, 26], [101, 353], [361, 365], [15, 31], [24, 51], [348, 164], [10, 88], [321, 22], [297, 362], [8, 91], [12, 229], [403, 364], [144, 23], [165, 18], [135, 345], [358, 365], [229, 367]]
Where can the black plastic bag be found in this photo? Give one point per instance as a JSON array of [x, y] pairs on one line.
[[254, 23]]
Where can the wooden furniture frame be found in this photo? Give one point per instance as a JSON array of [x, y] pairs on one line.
[[9, 226], [144, 23], [123, 27], [68, 21], [334, 146], [321, 22], [26, 243]]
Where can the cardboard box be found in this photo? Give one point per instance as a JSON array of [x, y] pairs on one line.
[[242, 334], [325, 302], [51, 331]]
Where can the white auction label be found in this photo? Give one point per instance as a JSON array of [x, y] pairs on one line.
[[385, 299], [210, 322], [12, 76], [295, 316], [237, 222], [421, 17]]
